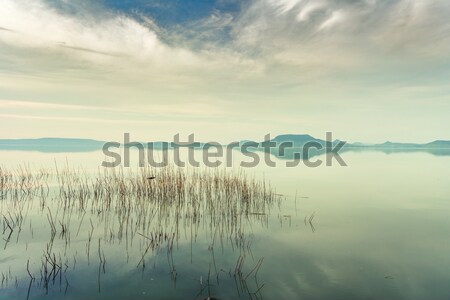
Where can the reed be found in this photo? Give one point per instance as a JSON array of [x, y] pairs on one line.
[[149, 207]]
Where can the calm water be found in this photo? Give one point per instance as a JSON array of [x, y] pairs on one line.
[[380, 230]]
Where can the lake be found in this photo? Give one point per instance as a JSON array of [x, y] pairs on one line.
[[376, 229]]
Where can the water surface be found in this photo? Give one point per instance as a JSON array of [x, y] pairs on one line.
[[377, 229]]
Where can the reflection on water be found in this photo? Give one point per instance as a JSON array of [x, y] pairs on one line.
[[377, 229], [138, 219]]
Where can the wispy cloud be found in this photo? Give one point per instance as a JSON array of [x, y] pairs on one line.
[[291, 60], [303, 33], [192, 110], [112, 41], [302, 30], [37, 26]]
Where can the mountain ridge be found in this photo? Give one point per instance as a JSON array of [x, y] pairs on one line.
[[58, 144]]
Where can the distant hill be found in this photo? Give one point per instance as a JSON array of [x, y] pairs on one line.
[[438, 144], [51, 145], [438, 147], [297, 139], [389, 145]]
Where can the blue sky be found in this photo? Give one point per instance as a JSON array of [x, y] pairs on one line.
[[368, 70], [170, 13]]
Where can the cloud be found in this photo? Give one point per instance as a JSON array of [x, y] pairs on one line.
[[309, 9], [195, 109], [284, 6], [314, 37], [302, 31], [306, 62], [37, 26], [37, 36]]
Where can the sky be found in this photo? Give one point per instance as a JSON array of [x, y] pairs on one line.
[[225, 70]]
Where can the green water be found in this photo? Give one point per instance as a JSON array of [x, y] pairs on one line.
[[380, 230]]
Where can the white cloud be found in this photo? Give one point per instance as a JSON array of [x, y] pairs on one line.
[[308, 9], [336, 17], [284, 6], [302, 34], [297, 31], [304, 62], [34, 25]]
